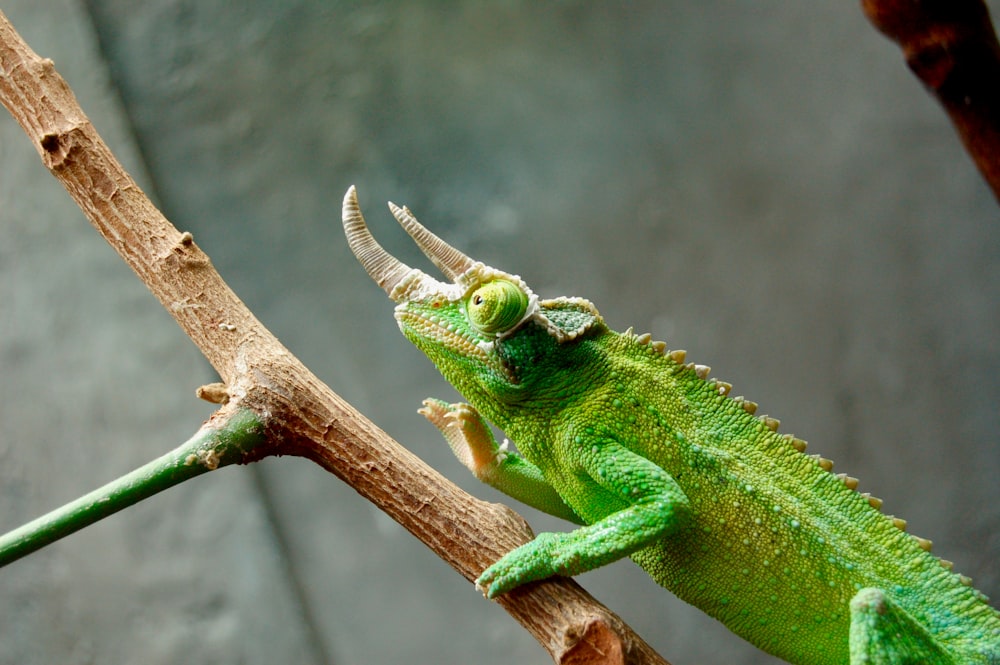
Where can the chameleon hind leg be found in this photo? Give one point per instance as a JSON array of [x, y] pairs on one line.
[[474, 445], [883, 633]]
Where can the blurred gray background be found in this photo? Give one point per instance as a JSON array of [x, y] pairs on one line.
[[763, 184]]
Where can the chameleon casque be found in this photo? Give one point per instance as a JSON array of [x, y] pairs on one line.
[[657, 462]]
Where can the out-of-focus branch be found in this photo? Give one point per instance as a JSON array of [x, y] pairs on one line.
[[951, 46], [300, 415]]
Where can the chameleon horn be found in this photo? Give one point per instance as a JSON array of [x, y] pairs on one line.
[[448, 259], [385, 269]]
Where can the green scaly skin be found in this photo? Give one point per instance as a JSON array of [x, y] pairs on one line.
[[659, 463]]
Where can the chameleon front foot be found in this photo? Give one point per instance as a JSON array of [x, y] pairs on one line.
[[529, 562], [472, 441], [467, 434]]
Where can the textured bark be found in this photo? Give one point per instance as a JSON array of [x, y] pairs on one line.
[[951, 46], [302, 415]]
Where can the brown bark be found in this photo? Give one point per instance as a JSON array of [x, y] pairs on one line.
[[950, 45], [303, 416]]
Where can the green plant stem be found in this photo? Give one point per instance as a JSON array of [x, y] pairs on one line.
[[209, 449]]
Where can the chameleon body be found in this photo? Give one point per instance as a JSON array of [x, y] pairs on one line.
[[656, 461]]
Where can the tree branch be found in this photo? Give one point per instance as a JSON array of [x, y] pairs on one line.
[[301, 416], [951, 47]]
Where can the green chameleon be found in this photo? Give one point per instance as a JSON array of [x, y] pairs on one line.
[[657, 462]]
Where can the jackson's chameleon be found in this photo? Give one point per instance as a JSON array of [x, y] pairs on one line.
[[658, 462]]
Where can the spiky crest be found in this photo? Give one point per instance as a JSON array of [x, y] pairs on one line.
[[702, 371]]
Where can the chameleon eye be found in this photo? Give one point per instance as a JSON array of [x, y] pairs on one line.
[[496, 306]]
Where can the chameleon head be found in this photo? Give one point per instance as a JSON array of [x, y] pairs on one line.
[[459, 324]]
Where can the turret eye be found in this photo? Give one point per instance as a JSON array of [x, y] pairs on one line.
[[496, 306]]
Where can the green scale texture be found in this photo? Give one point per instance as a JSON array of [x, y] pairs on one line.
[[657, 462], [773, 545]]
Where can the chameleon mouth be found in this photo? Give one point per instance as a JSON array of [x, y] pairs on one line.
[[430, 332]]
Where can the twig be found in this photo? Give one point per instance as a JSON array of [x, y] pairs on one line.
[[301, 415], [952, 48], [212, 447]]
